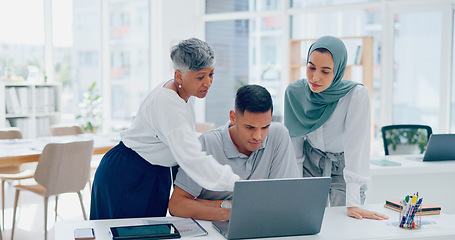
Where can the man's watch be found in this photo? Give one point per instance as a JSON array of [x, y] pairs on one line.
[[226, 204]]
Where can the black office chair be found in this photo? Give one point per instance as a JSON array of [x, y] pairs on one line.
[[405, 138]]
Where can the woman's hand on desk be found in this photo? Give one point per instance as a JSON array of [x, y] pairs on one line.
[[360, 213]]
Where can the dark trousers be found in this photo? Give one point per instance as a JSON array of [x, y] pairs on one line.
[[128, 186]]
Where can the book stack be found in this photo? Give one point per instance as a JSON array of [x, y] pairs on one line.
[[18, 100], [44, 100], [12, 101], [427, 209]]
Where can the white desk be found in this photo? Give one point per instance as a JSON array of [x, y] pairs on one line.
[[336, 225], [433, 181], [18, 151]]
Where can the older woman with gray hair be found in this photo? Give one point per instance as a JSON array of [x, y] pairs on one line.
[[134, 179]]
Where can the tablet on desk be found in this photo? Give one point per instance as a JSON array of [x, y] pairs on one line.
[[154, 231]]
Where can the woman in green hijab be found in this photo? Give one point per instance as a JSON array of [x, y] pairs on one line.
[[329, 121]]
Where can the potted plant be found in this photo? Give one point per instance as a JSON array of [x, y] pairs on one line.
[[90, 111]]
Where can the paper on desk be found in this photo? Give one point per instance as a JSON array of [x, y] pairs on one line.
[[428, 223], [187, 227]]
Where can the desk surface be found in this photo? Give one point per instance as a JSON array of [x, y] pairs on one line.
[[410, 164], [18, 151], [336, 225], [431, 179]]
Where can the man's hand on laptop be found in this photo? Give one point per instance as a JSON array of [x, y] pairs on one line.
[[360, 213]]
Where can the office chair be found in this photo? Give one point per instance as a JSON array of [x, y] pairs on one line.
[[405, 138], [65, 130], [62, 130], [62, 168], [12, 172]]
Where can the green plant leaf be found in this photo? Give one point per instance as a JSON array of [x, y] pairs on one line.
[[92, 87]]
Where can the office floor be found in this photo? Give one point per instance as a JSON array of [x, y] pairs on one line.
[[30, 215]]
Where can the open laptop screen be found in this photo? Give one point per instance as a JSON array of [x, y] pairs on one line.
[[277, 207], [440, 147]]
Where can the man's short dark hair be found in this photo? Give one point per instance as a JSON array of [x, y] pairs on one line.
[[253, 98]]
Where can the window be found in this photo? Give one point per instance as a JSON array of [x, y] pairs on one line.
[[248, 51], [230, 41], [62, 15], [317, 3], [417, 60], [85, 49], [452, 105], [266, 58], [130, 58], [223, 6], [88, 59], [22, 40]]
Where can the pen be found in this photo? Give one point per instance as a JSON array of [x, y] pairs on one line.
[[404, 210], [403, 206], [414, 211], [408, 221], [403, 219], [416, 208]]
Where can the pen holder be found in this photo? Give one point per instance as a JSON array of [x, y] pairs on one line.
[[410, 216]]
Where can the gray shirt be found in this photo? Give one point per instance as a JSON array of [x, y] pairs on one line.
[[274, 159]]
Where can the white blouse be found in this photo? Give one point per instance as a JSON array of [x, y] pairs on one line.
[[347, 130], [163, 133]]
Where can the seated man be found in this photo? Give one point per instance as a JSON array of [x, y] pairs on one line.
[[250, 143]]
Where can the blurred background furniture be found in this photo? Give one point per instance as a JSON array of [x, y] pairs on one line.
[[31, 106], [10, 133], [62, 168], [204, 127], [13, 172], [63, 130], [405, 138]]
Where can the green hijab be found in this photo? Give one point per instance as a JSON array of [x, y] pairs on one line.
[[306, 111]]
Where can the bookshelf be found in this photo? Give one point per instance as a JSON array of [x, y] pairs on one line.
[[32, 107], [359, 66]]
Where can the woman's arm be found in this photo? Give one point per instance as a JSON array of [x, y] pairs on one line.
[[357, 153], [174, 121], [357, 144]]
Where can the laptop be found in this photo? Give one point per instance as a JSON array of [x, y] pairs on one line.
[[440, 147], [276, 207]]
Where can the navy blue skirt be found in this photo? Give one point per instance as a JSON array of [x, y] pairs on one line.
[[128, 186]]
